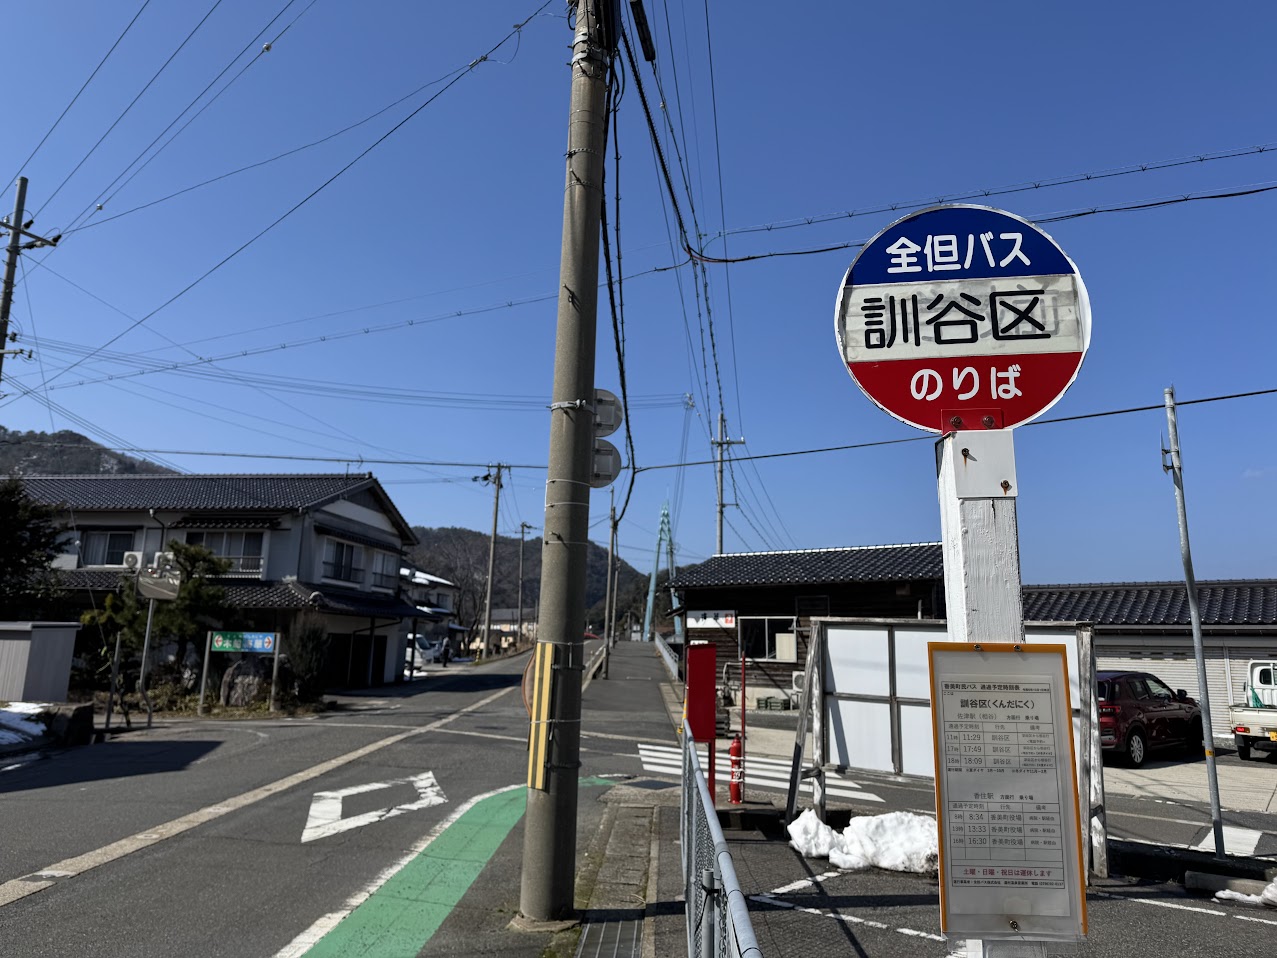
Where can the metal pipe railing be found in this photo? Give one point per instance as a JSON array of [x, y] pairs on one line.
[[718, 924]]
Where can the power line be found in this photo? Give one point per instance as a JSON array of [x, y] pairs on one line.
[[358, 460], [1050, 218], [315, 192], [150, 367], [278, 156], [133, 102], [614, 291], [133, 450], [266, 48], [83, 87], [932, 438], [982, 194]]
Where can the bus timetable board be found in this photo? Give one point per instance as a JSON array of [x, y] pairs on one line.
[[1006, 793]]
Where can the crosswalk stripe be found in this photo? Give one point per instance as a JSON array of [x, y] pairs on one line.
[[1237, 840], [775, 775]]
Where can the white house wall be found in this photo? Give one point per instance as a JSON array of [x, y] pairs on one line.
[[356, 513]]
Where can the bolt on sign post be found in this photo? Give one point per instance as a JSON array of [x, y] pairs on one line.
[[1007, 809], [966, 321]]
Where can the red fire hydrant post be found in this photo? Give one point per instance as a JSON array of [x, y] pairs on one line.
[[737, 781]]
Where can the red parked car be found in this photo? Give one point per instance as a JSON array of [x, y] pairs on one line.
[[1139, 712]]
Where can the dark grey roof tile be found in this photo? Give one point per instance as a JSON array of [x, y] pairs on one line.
[[816, 566], [1154, 603], [192, 492]]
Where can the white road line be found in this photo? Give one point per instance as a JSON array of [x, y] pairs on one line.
[[1237, 840], [1179, 907], [642, 742], [1262, 921], [1161, 904], [850, 919], [804, 883], [307, 939], [11, 891]]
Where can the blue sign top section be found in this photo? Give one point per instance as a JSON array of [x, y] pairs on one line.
[[957, 242]]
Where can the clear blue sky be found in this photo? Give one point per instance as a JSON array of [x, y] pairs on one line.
[[453, 223]]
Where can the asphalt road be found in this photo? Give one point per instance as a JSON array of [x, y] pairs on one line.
[[188, 839]]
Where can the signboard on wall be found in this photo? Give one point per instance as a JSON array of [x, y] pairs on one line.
[[1006, 796], [712, 619]]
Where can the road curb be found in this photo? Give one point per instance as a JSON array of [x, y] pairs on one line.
[[1201, 881], [1159, 863]]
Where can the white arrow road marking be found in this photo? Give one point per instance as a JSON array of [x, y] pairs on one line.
[[325, 808]]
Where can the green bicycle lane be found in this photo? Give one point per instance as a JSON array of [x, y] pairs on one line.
[[400, 916]]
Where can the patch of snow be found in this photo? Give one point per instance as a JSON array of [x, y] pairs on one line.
[[13, 718], [12, 738], [897, 841], [26, 708], [1266, 897]]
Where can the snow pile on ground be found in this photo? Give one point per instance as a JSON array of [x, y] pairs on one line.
[[1266, 897], [897, 841], [17, 724]]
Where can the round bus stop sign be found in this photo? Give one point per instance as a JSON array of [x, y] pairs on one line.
[[963, 317]]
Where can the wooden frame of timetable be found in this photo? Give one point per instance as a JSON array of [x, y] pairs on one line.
[[1006, 792]]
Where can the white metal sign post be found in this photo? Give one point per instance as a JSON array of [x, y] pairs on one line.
[[1006, 796], [967, 321]]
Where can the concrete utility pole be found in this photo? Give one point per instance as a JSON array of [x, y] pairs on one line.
[[492, 559], [523, 528], [549, 844], [17, 230], [721, 443], [1176, 469]]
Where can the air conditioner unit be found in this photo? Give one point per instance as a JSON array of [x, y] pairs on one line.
[[796, 680], [133, 561]]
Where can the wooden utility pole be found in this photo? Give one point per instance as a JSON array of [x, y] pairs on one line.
[[17, 230], [554, 745]]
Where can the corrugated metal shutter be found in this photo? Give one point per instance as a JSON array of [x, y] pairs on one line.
[[1174, 664]]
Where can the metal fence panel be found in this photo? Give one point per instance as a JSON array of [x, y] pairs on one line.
[[718, 924]]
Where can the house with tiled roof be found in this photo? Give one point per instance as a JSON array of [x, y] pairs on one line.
[[760, 605], [326, 545], [1146, 627]]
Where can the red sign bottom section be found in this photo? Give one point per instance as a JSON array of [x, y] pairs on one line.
[[931, 393]]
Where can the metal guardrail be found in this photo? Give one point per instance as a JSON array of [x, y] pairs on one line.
[[718, 924], [671, 660]]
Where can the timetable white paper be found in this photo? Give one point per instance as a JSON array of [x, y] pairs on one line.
[[1003, 820]]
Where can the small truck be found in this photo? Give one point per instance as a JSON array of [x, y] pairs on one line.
[[1254, 721]]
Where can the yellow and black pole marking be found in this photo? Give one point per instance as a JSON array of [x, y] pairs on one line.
[[539, 738]]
